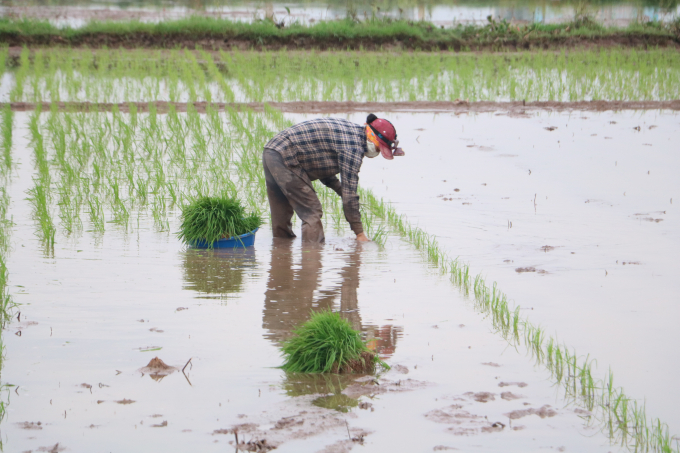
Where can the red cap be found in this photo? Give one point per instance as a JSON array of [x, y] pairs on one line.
[[387, 136]]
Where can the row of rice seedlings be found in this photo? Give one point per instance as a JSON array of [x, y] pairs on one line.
[[621, 418], [7, 303], [126, 163], [6, 125], [184, 76], [417, 76]]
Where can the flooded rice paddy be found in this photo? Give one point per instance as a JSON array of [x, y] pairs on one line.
[[553, 328], [571, 214]]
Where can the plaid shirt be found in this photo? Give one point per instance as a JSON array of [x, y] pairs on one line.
[[322, 148]]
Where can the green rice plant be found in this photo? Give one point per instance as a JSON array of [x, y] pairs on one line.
[[6, 129], [327, 344], [7, 303], [39, 197], [211, 218], [96, 213]]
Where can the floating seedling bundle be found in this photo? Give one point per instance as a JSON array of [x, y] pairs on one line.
[[328, 344], [206, 220]]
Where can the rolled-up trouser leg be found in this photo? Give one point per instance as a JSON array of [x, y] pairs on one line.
[[287, 192]]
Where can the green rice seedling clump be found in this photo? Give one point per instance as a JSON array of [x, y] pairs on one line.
[[327, 343], [212, 218]]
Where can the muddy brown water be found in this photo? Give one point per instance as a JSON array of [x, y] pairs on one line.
[[100, 309]]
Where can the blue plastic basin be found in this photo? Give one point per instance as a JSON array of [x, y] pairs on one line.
[[244, 240]]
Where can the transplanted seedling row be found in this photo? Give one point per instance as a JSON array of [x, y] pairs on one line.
[[7, 303], [114, 76]]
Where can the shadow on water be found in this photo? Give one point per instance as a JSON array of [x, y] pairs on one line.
[[217, 273]]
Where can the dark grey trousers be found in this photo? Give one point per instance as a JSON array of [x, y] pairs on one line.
[[288, 193]]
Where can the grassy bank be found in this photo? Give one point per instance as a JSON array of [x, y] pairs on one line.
[[212, 33]]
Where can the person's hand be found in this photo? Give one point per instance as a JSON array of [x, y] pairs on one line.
[[361, 237]]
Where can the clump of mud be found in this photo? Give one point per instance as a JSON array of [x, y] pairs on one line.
[[157, 369], [158, 364], [364, 364]]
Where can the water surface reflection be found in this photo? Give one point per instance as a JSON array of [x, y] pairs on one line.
[[294, 291], [217, 273]]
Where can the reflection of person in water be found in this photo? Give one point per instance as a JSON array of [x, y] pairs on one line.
[[290, 290], [292, 294]]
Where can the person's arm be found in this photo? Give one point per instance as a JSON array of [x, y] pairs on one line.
[[332, 182], [350, 203]]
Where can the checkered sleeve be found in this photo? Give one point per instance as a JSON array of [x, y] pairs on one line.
[[350, 163]]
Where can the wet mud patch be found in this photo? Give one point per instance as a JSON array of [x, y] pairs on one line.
[[343, 446], [481, 397], [375, 387], [308, 421], [463, 423], [401, 369], [30, 425], [518, 384], [652, 217], [255, 445], [53, 449], [509, 396], [529, 269], [543, 412], [365, 364]]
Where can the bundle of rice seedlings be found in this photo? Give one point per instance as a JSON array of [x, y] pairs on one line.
[[211, 218], [328, 344]]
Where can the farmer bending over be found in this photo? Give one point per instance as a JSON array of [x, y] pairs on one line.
[[320, 149]]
